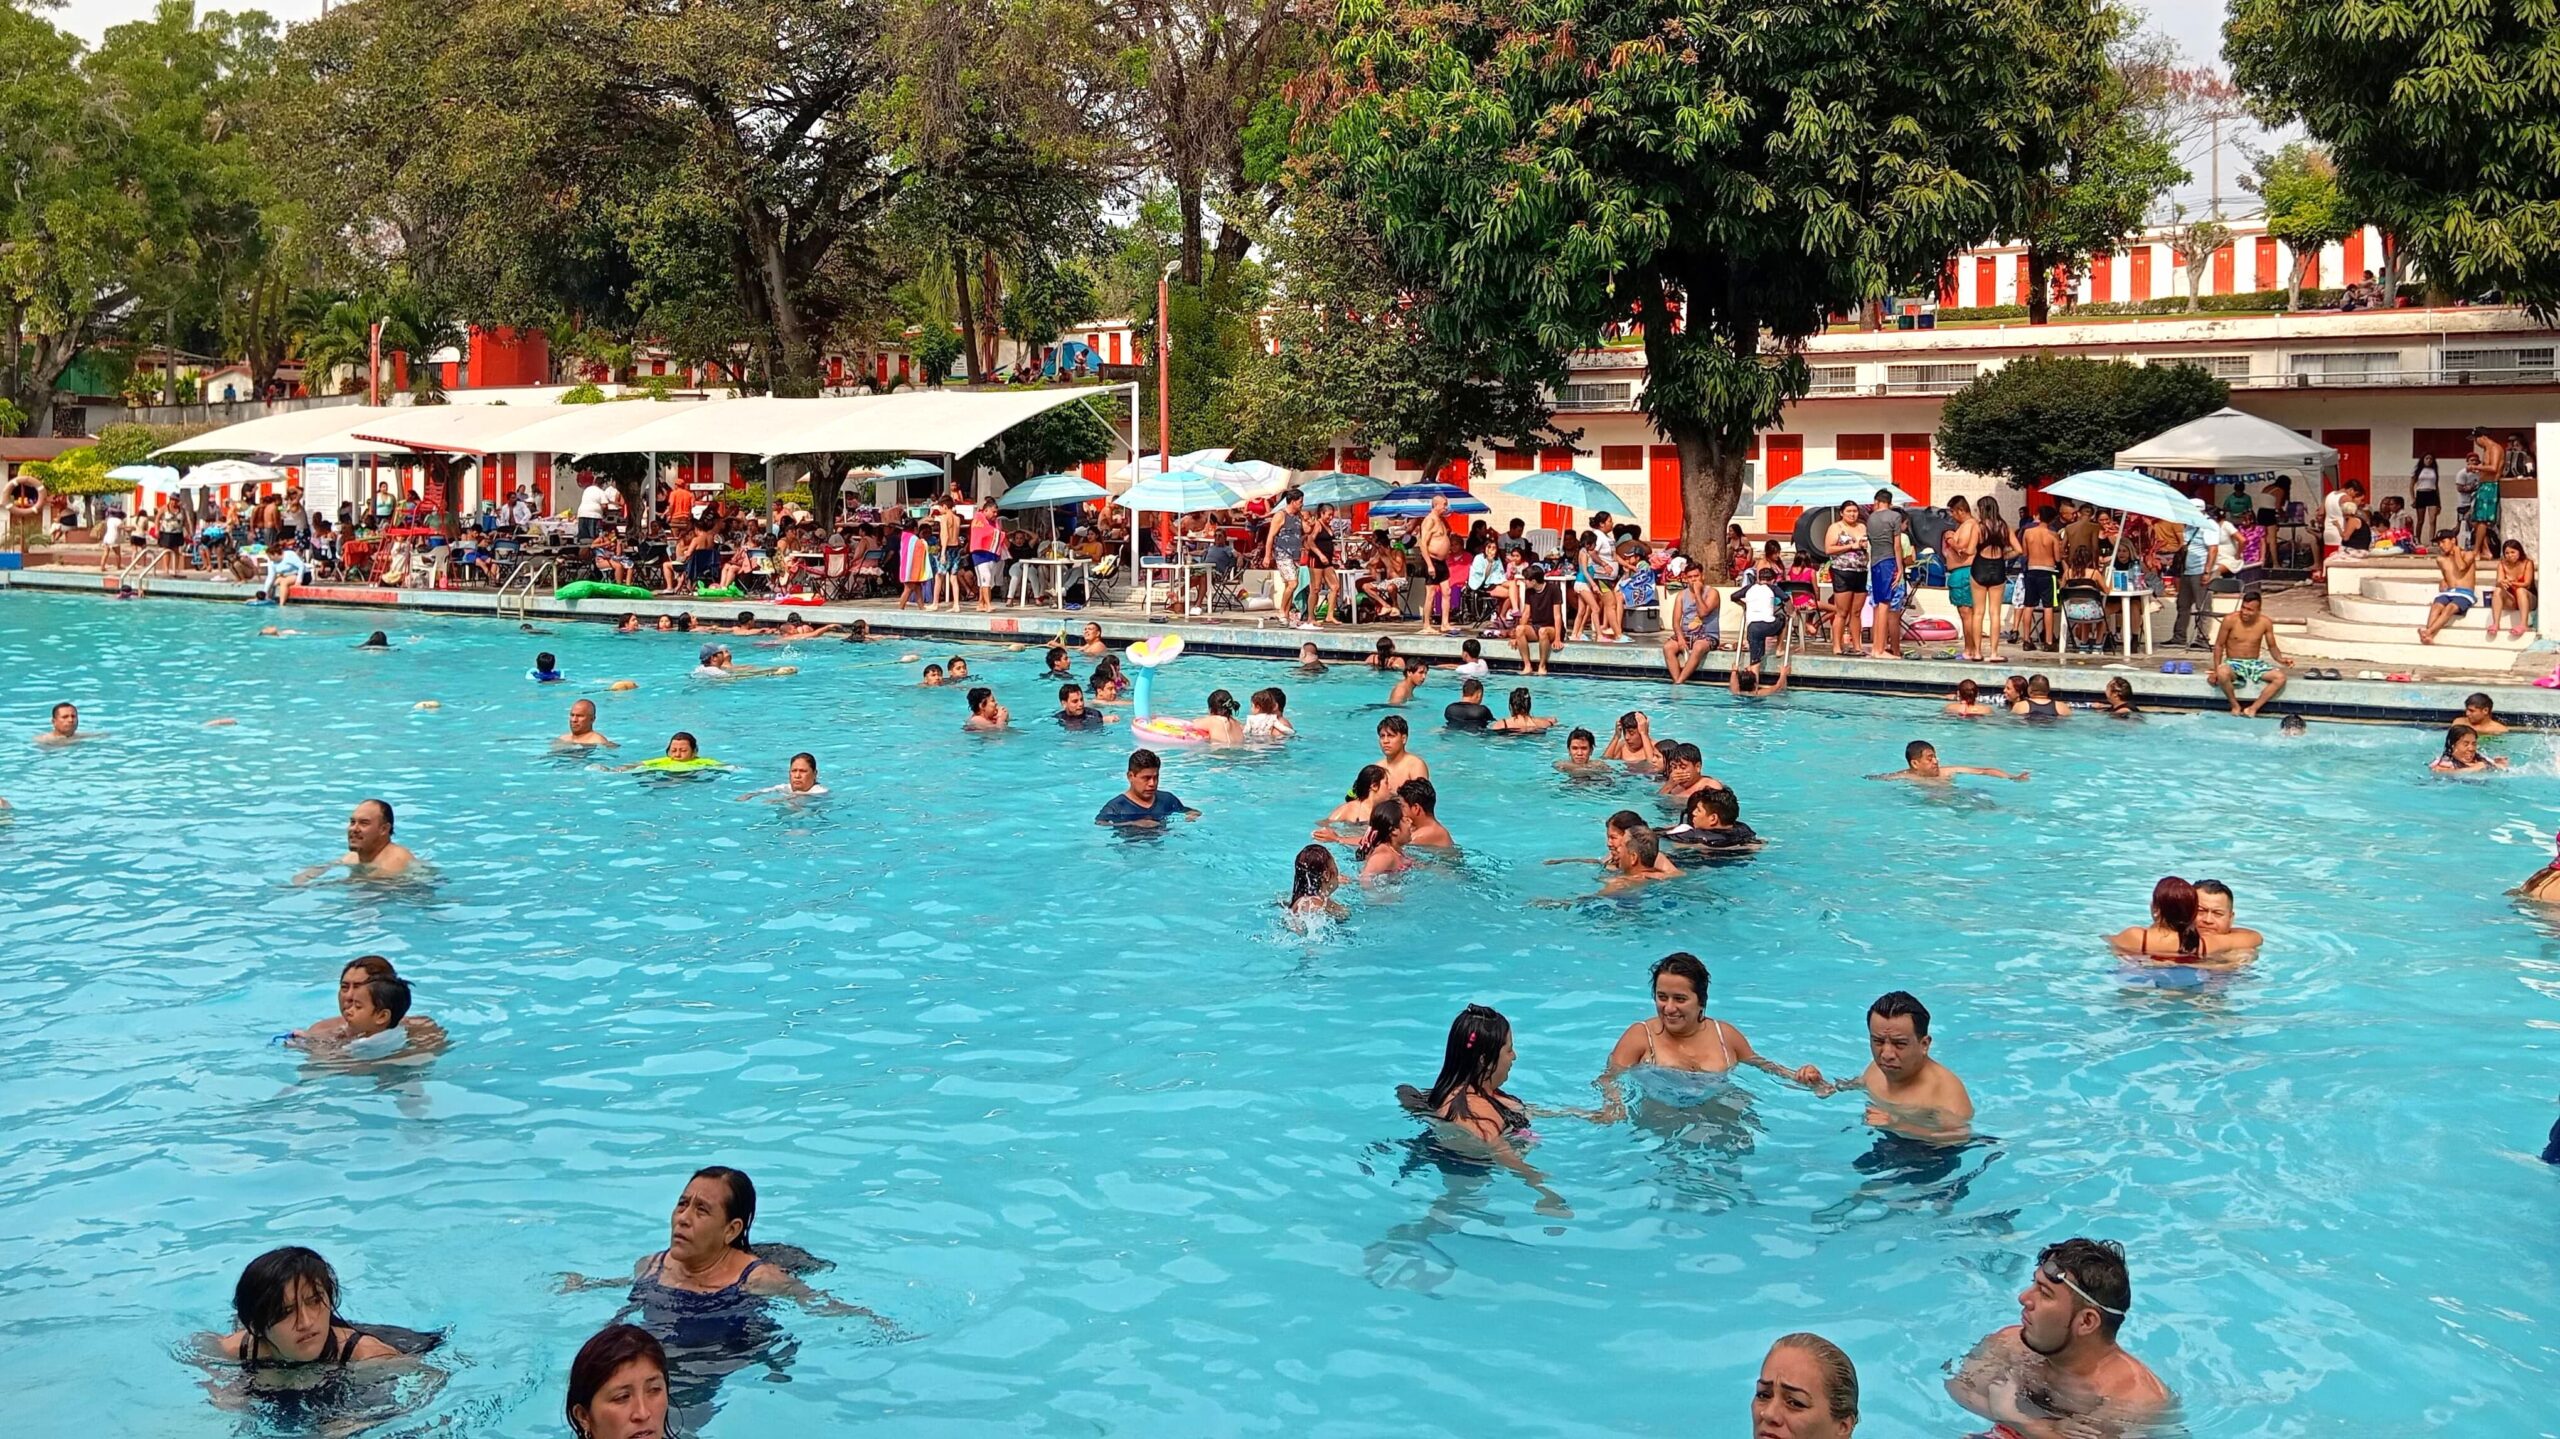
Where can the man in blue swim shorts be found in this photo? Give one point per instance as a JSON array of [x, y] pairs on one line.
[[2458, 568], [2245, 652], [1885, 545]]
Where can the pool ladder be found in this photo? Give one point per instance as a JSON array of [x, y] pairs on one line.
[[142, 564], [515, 597]]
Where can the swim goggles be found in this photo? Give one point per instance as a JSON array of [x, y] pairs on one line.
[[2056, 1276]]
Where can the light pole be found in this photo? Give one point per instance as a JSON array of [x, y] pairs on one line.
[[1164, 367]]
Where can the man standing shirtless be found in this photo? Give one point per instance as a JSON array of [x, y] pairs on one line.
[[2245, 650], [1437, 545], [2041, 596]]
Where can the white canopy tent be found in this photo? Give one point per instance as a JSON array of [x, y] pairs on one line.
[[475, 430], [2231, 444], [296, 432]]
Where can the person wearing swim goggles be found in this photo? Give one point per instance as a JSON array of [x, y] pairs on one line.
[[2061, 1359]]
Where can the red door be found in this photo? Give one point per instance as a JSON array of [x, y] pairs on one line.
[[2141, 284], [2355, 458], [1786, 461], [2225, 260], [2102, 279], [1911, 466], [2263, 274], [1662, 501], [1986, 280]]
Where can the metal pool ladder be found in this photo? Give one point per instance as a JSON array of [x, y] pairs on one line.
[[142, 564], [515, 597]]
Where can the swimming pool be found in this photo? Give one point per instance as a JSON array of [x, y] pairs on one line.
[[1119, 1152]]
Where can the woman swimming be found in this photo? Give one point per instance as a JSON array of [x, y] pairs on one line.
[[2462, 753], [1312, 881], [1351, 817], [618, 1386], [1468, 1103], [286, 1303], [2118, 702], [1968, 701], [2173, 936], [1681, 1036], [355, 996], [1381, 850], [1219, 725]]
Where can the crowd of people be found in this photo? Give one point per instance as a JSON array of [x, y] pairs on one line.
[[2061, 1369]]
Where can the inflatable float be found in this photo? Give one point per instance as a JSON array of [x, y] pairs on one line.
[[599, 590], [1147, 656]]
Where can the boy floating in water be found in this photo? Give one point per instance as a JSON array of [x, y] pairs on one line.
[[1920, 766]]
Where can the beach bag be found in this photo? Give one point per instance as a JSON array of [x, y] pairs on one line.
[[1930, 628]]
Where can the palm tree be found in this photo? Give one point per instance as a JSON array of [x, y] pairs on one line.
[[415, 326], [331, 330]]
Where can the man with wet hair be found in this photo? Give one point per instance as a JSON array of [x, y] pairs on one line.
[[2059, 1370]]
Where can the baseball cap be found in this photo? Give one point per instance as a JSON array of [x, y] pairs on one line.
[[710, 652]]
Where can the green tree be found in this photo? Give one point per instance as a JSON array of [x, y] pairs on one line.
[[2047, 416], [12, 419], [2095, 170], [2306, 207], [1208, 75], [935, 350], [1048, 442], [1051, 298], [2194, 242], [1727, 181], [76, 472], [2440, 116]]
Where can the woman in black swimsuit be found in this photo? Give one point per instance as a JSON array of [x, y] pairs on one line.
[[1991, 552], [1468, 1102], [287, 1306]]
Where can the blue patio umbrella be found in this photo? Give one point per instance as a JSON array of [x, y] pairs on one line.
[[1570, 488], [158, 477], [908, 469], [1405, 501], [1835, 485], [1181, 492], [1046, 491], [1338, 487], [2133, 493]]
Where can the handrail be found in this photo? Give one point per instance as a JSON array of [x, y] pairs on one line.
[[142, 564]]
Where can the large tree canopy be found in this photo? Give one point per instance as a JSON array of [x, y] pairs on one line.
[[2443, 117], [1728, 181]]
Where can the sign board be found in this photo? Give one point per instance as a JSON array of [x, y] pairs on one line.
[[321, 490]]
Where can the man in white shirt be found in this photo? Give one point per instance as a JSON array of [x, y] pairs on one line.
[[592, 504], [2338, 510], [520, 514]]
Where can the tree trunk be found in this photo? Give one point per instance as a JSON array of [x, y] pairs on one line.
[[797, 372], [2395, 269], [1233, 242], [1710, 490], [968, 315], [2293, 283], [990, 311], [1187, 192], [169, 358], [2039, 289]]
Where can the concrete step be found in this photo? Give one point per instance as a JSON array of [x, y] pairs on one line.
[[2360, 610], [2413, 591], [2352, 655], [2466, 636]]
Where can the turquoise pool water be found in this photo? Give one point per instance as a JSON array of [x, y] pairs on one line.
[[1119, 1153]]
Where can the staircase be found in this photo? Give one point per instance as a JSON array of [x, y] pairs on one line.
[[2373, 612]]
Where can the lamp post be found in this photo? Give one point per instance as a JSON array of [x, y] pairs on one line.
[[373, 397], [1164, 367]]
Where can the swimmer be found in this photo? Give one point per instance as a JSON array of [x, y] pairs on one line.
[[1384, 656], [858, 633], [682, 749], [2059, 1369], [985, 713], [1632, 744], [1074, 714], [1920, 766], [371, 854], [709, 1258], [1415, 672], [684, 622], [377, 1007], [956, 668], [1744, 682], [1468, 1103], [1473, 665], [376, 641], [1640, 862], [801, 784], [932, 677], [1351, 816], [1682, 775], [746, 624], [1578, 761], [1712, 820], [666, 624], [1908, 1091], [1057, 664], [717, 664], [1681, 1036], [286, 1304], [1270, 717], [2293, 726], [1421, 801], [2117, 702], [1312, 881], [1467, 713], [1402, 763], [618, 1386], [2462, 753], [1093, 647], [2215, 912], [1613, 840], [65, 727], [1807, 1389], [1381, 849], [1145, 803], [2174, 936], [629, 623], [1309, 662], [796, 628], [1520, 721], [2037, 701], [1220, 725], [1968, 701], [272, 632], [223, 723], [546, 669], [355, 993], [582, 729], [428, 705]]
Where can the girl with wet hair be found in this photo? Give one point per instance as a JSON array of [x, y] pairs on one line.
[[1381, 850], [1312, 880], [286, 1303]]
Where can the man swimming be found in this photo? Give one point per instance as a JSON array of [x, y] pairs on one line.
[[1908, 1091], [984, 712], [1578, 761], [2059, 1371], [717, 664], [582, 729], [1682, 775], [2214, 914], [1145, 804], [1402, 763], [65, 726], [1075, 714], [1422, 803], [1920, 766], [1415, 671], [371, 852]]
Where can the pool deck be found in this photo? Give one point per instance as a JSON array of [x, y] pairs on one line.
[[2428, 700]]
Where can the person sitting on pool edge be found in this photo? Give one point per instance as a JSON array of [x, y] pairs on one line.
[[1908, 1091], [286, 1304], [546, 670], [801, 783], [618, 1386], [582, 729], [984, 712], [1920, 766], [1073, 714], [1468, 712], [1146, 803], [2063, 1352], [371, 853]]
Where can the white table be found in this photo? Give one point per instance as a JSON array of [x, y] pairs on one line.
[[1154, 568], [1058, 568], [2126, 625]]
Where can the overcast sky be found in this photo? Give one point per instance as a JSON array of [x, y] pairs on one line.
[[2196, 24]]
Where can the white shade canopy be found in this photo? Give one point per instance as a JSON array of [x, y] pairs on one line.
[[2229, 442], [455, 429], [296, 432]]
